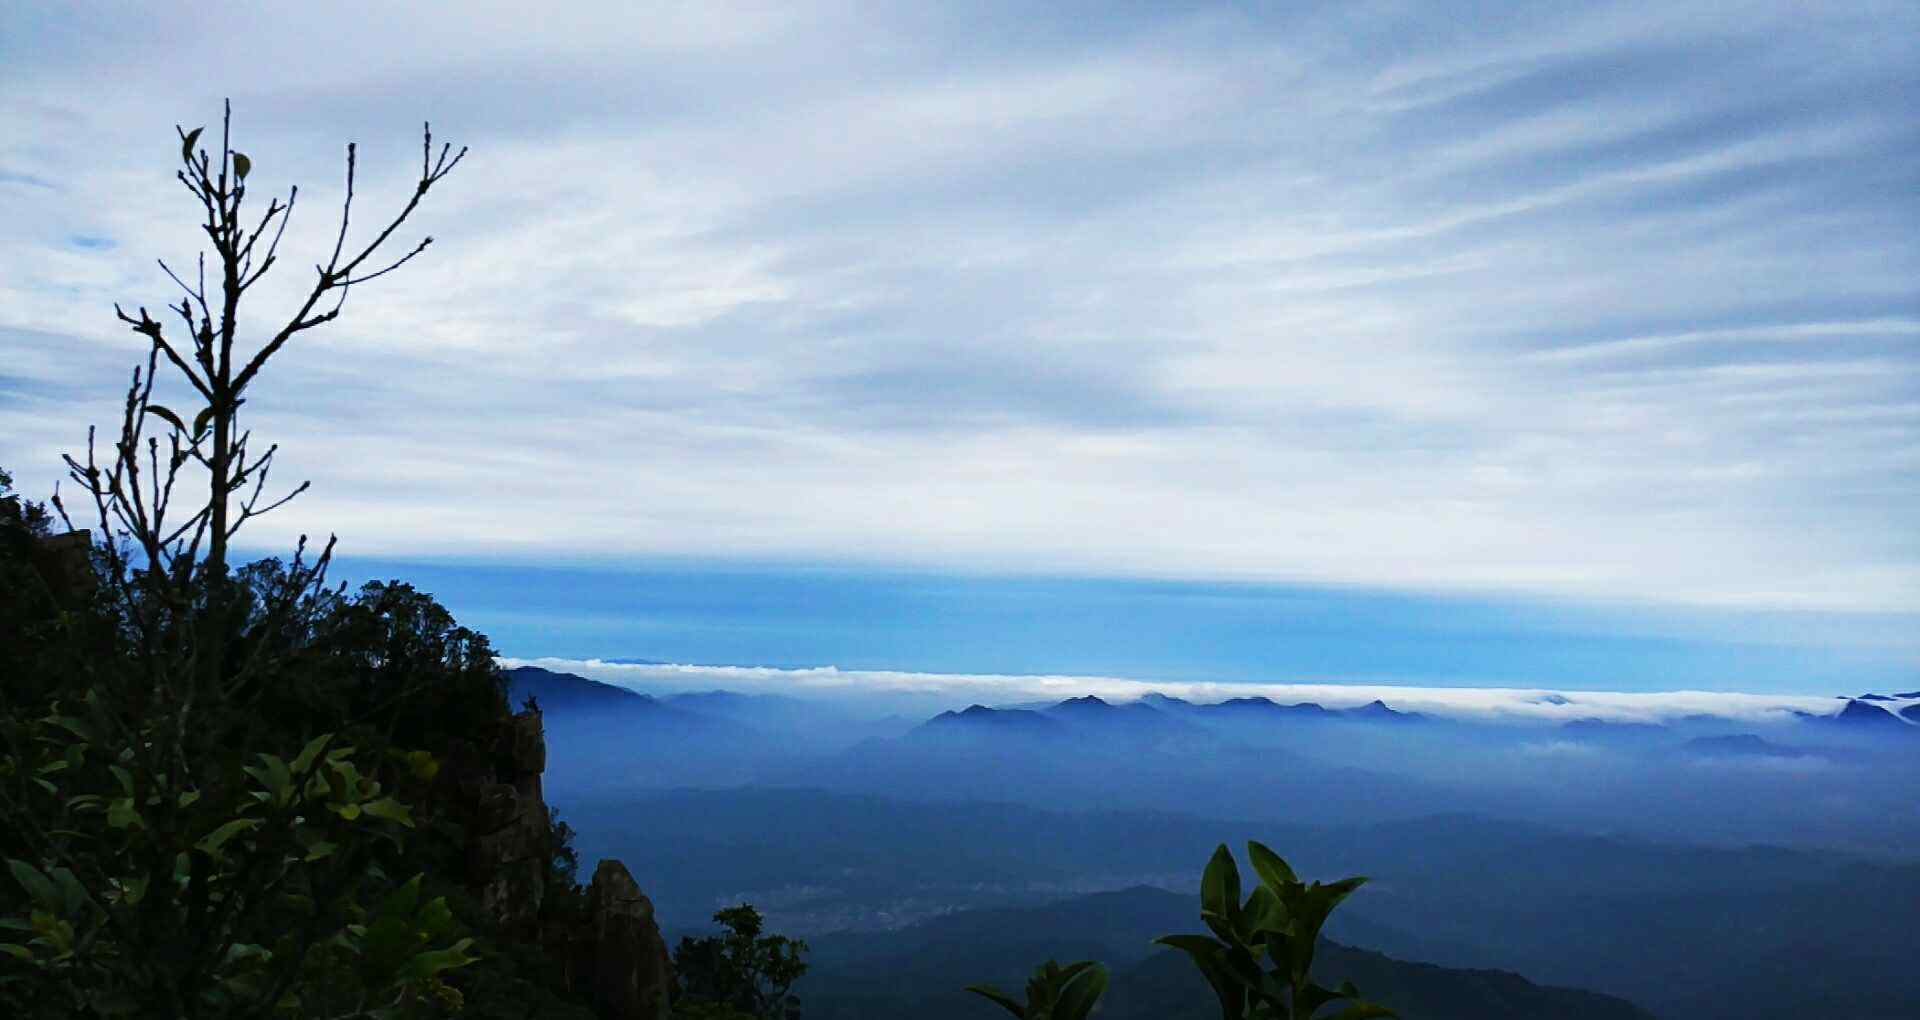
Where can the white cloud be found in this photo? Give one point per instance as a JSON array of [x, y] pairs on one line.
[[1501, 704], [1561, 303]]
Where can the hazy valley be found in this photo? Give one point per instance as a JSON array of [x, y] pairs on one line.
[[1677, 865]]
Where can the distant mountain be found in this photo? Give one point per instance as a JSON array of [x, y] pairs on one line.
[[1167, 987], [1913, 695], [1153, 717], [752, 709], [1134, 720], [567, 692], [1875, 697], [979, 721], [603, 736], [1258, 707], [1696, 932], [1911, 712], [635, 662], [1377, 711], [1603, 728], [1741, 745], [1250, 708], [919, 971], [1866, 717]]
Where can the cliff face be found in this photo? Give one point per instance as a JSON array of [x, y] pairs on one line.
[[615, 956], [626, 965], [509, 843]]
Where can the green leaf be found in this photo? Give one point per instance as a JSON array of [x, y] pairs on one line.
[[427, 964], [17, 952], [389, 809], [304, 760], [218, 838], [422, 765], [1220, 884], [1193, 945], [1205, 954], [1273, 871], [1309, 999], [200, 420], [162, 411], [1223, 927], [73, 895], [1333, 892], [241, 165], [125, 778], [38, 886], [435, 918], [78, 727], [241, 952], [401, 901], [1077, 999], [186, 144], [121, 814], [1006, 1002], [273, 774], [1363, 1011], [1263, 913]]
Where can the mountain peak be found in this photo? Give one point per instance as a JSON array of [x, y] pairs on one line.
[[567, 690], [1862, 713], [1377, 710]]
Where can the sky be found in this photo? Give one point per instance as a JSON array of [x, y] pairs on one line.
[[1604, 319]]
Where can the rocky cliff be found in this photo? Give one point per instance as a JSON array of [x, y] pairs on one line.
[[615, 956]]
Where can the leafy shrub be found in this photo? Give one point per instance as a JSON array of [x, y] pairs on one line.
[[1258, 958], [739, 973], [1054, 992]]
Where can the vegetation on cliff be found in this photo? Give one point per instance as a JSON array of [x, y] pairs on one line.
[[230, 790]]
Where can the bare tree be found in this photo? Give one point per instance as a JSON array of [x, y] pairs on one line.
[[163, 550]]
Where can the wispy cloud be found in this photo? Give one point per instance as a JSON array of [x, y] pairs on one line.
[[1599, 302]]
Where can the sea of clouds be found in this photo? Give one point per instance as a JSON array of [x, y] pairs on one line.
[[889, 691]]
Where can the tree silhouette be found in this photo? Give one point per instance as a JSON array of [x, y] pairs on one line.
[[166, 550], [170, 847]]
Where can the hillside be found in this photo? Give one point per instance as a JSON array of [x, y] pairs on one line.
[[919, 971]]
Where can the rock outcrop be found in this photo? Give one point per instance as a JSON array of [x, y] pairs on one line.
[[509, 831], [627, 967], [615, 956]]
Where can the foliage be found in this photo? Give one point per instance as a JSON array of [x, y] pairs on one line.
[[217, 785], [20, 516], [166, 886], [1281, 919], [739, 973], [1054, 992]]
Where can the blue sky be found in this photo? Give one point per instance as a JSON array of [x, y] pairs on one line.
[[1593, 313], [1159, 631]]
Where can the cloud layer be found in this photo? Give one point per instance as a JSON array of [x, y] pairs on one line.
[[1604, 302], [902, 691]]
